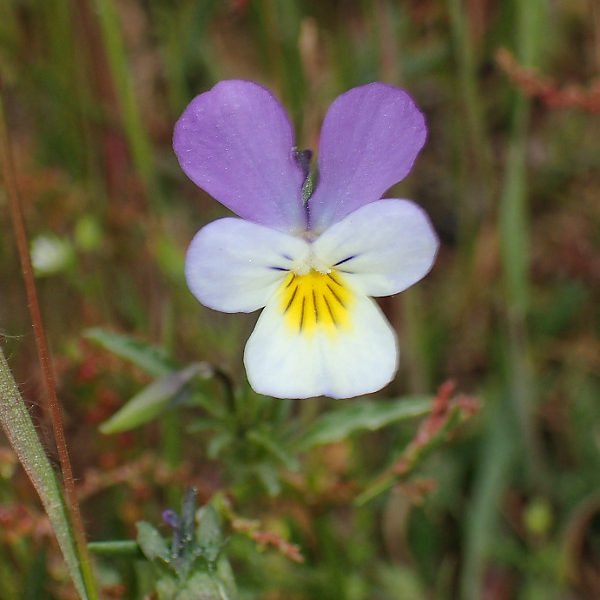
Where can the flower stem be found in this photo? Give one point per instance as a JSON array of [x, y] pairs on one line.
[[52, 406]]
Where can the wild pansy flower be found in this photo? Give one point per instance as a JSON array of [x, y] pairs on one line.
[[311, 265]]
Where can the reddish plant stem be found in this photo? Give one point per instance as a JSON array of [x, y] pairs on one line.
[[51, 405], [534, 85]]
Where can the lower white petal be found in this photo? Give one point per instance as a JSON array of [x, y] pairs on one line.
[[317, 336]]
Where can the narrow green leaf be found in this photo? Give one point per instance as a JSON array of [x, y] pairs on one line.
[[149, 358], [115, 548], [153, 400], [21, 434], [267, 475], [152, 543], [358, 416]]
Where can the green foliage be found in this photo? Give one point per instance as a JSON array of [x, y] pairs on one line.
[[254, 438], [506, 501]]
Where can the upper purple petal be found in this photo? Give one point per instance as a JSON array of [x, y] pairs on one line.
[[370, 139], [235, 142]]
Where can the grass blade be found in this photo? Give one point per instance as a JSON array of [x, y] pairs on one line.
[[137, 137], [21, 434], [514, 240], [150, 359]]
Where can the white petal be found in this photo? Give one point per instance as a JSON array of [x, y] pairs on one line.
[[338, 352], [382, 248], [234, 265]]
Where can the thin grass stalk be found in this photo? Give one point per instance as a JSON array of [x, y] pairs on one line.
[[137, 138], [514, 250], [51, 405], [510, 429], [474, 116]]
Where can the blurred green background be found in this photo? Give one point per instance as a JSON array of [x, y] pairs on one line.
[[510, 312]]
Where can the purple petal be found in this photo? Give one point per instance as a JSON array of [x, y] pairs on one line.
[[235, 142], [369, 141]]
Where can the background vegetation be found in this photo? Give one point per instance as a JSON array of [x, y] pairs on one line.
[[509, 505]]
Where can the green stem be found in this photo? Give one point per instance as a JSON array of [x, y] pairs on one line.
[[116, 548]]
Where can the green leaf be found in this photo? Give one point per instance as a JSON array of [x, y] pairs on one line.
[[341, 423], [21, 434], [226, 582], [153, 400], [152, 543], [274, 447], [149, 358], [267, 475], [200, 586], [219, 442], [209, 536], [167, 587]]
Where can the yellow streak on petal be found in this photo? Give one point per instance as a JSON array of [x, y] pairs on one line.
[[315, 301]]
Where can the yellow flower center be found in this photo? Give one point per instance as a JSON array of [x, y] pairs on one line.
[[315, 300]]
